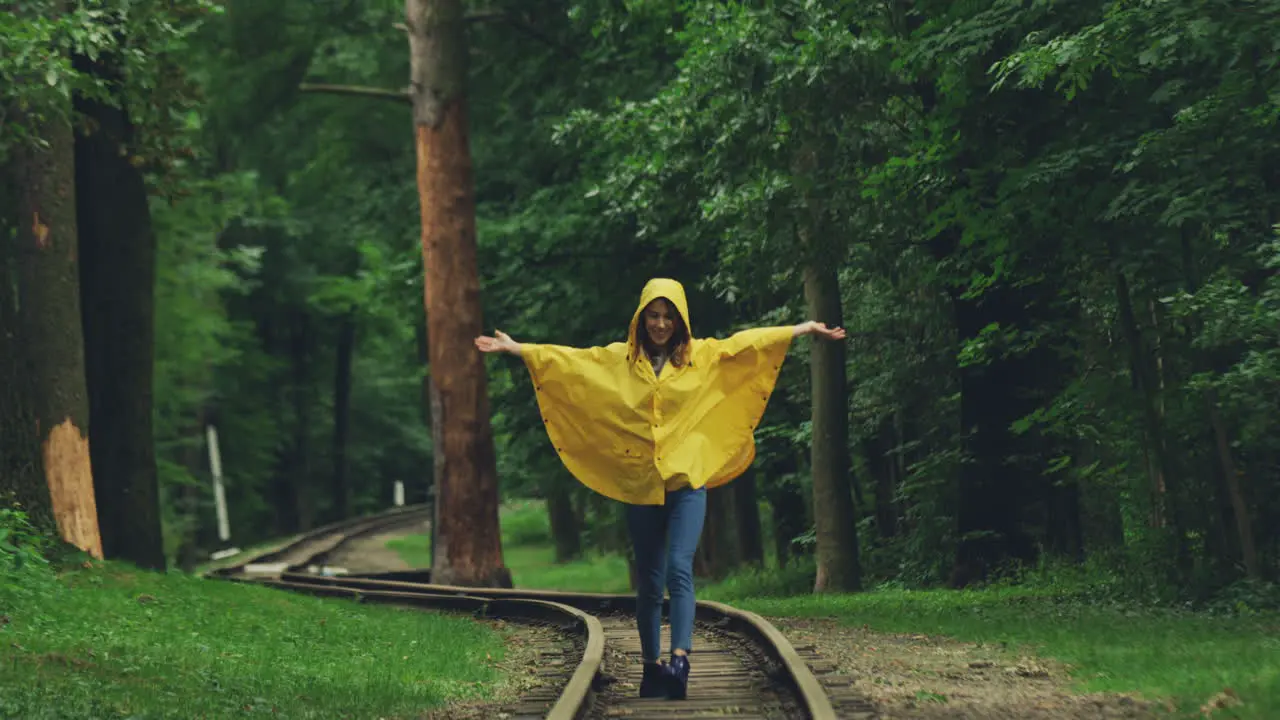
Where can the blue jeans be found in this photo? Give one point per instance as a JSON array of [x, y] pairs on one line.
[[664, 538]]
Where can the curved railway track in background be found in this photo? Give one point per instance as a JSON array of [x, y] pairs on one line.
[[743, 667]]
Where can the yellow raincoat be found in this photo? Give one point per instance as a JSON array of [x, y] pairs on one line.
[[631, 435]]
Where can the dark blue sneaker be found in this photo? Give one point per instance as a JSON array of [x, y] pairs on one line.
[[654, 682], [678, 677]]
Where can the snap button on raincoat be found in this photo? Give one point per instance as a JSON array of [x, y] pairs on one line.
[[630, 434]]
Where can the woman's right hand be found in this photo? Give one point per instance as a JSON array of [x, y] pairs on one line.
[[500, 342]]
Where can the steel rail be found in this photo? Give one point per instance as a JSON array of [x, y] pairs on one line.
[[574, 700], [794, 671], [336, 533]]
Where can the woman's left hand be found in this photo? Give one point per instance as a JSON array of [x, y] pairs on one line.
[[821, 330]]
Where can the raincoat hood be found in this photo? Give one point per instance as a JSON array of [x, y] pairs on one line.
[[656, 288], [632, 433]]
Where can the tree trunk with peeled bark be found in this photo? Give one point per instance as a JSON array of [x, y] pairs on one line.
[[117, 285], [468, 546], [44, 416]]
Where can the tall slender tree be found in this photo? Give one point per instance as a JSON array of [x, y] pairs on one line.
[[468, 544]]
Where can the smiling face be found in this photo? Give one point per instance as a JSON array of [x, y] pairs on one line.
[[660, 321]]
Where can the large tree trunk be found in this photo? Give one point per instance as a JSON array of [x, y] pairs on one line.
[[44, 418], [117, 285], [834, 514], [468, 547], [342, 416]]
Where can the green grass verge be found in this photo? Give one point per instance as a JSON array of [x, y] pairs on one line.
[[536, 568], [114, 642], [1157, 653]]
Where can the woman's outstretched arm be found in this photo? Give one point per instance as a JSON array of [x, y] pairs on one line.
[[760, 338], [816, 328], [500, 342]]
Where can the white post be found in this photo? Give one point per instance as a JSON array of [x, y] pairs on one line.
[[399, 493], [219, 495]]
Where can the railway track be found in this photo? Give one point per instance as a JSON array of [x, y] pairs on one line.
[[742, 666], [313, 548]]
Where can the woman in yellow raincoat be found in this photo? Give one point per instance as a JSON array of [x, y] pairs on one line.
[[653, 422]]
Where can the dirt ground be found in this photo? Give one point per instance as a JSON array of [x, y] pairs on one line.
[[520, 678], [923, 678]]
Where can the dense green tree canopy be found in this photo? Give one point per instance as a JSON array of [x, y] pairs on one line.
[[1052, 227]]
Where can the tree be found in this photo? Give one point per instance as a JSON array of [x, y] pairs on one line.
[[117, 249], [44, 417], [1017, 388], [833, 509], [468, 546]]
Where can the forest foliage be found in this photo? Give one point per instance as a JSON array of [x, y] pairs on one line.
[[1053, 227]]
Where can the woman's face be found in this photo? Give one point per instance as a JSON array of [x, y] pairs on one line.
[[660, 320]]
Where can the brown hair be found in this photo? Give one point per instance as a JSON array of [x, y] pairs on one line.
[[675, 346]]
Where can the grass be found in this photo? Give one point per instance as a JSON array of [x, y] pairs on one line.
[[109, 641], [1157, 653], [536, 568], [1160, 654]]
